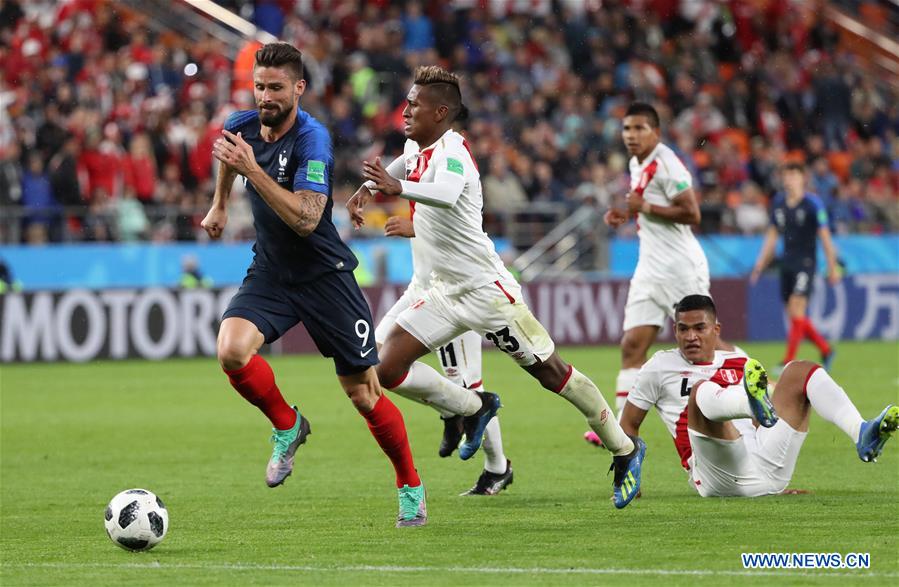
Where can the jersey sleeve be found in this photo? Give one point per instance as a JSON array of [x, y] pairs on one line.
[[443, 192], [673, 177], [645, 392], [820, 212], [316, 162], [454, 160], [451, 167], [237, 119], [775, 203]]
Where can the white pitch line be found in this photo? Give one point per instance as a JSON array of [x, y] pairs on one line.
[[835, 573]]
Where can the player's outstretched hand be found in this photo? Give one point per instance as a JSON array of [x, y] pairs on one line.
[[384, 182], [615, 217], [355, 205], [214, 223], [234, 152], [399, 226]]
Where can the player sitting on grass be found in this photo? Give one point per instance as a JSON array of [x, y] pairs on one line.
[[733, 439], [470, 288]]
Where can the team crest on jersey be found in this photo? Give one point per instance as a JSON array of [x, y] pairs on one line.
[[282, 165], [800, 217], [729, 376], [779, 217]]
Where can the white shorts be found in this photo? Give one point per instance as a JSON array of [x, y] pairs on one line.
[[460, 358], [495, 310], [759, 463], [650, 303], [409, 297]]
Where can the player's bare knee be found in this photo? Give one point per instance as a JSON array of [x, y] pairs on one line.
[[798, 369], [694, 413], [232, 356], [792, 380], [693, 390], [551, 373], [364, 397]]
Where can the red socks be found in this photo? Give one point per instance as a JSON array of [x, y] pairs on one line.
[[386, 424], [799, 329], [797, 332], [813, 335], [256, 383]]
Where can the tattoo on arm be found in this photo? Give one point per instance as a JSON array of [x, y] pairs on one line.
[[311, 206], [224, 181]]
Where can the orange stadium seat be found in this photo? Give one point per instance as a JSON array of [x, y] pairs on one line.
[[740, 139], [873, 14], [839, 163], [726, 71]]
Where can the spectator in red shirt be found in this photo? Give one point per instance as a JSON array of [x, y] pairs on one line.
[[140, 168]]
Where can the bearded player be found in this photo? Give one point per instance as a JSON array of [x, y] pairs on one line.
[[301, 272]]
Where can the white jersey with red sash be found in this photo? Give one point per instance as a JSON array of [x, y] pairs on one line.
[[668, 250], [450, 243], [665, 380]]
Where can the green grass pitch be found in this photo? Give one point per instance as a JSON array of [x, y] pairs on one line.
[[74, 435]]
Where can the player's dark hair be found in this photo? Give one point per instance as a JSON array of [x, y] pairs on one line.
[[644, 109], [281, 55], [696, 302], [444, 87], [794, 166]]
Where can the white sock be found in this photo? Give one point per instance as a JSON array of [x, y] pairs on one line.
[[456, 377], [831, 403], [720, 404], [469, 354], [624, 383], [494, 457], [586, 397], [425, 385]]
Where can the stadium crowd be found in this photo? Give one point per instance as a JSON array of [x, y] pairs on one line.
[[106, 127]]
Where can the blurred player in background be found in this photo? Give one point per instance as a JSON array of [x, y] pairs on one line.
[[801, 218], [470, 288], [460, 360], [671, 262], [301, 272], [733, 439]]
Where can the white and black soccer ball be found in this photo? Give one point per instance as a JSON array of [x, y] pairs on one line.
[[136, 519]]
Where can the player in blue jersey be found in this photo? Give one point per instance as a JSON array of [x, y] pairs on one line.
[[301, 272], [802, 219]]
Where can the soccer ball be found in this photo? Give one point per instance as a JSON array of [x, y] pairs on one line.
[[136, 519]]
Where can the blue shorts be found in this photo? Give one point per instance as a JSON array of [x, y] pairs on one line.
[[331, 308], [795, 282]]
